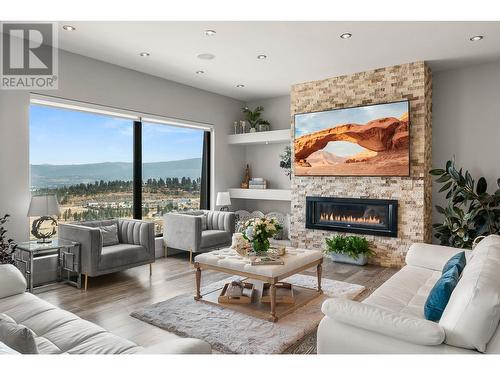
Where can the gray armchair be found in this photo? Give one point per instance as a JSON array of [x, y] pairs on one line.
[[136, 245], [198, 231]]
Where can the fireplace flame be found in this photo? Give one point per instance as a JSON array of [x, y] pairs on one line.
[[350, 219]]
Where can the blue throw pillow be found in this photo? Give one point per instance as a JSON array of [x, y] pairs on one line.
[[456, 260], [440, 295]]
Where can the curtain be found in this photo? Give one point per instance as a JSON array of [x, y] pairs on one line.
[[205, 173]]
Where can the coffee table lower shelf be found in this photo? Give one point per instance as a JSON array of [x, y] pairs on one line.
[[261, 310]]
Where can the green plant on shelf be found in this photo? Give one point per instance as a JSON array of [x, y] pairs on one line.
[[351, 246], [254, 117]]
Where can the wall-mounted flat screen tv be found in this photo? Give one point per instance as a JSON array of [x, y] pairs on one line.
[[370, 140]]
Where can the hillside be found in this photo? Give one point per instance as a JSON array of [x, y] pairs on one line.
[[47, 175]]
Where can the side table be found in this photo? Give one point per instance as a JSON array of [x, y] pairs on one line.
[[68, 259]]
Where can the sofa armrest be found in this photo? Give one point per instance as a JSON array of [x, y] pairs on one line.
[[90, 240], [12, 281], [179, 346], [385, 322], [432, 257], [182, 232]]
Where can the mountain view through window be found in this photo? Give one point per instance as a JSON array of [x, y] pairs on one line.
[[86, 159]]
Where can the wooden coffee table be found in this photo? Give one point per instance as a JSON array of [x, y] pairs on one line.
[[228, 261]]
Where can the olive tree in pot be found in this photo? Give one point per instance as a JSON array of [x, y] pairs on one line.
[[7, 246], [348, 249]]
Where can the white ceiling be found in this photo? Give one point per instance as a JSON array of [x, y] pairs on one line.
[[297, 51]]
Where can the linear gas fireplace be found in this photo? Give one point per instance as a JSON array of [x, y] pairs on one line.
[[366, 216]]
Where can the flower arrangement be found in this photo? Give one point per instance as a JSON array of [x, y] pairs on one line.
[[258, 232]]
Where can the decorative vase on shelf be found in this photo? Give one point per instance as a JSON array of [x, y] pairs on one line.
[[253, 130]]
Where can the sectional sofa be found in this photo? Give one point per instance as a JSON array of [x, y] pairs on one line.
[[58, 331], [391, 320]]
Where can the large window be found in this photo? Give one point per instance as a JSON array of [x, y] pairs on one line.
[[102, 166], [171, 170], [84, 158]]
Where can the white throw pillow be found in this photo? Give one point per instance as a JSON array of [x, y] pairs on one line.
[[16, 336], [473, 311]]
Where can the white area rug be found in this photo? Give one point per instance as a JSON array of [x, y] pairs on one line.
[[233, 332]]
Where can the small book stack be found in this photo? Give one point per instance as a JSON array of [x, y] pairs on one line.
[[257, 183]]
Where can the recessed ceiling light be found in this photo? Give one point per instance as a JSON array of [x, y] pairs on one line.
[[200, 72], [345, 35], [261, 57], [69, 28], [206, 56], [475, 38], [240, 86], [210, 32], [144, 54]]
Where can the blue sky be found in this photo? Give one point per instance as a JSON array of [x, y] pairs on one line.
[[60, 136], [312, 122]]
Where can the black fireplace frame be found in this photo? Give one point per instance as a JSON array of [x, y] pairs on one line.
[[390, 231]]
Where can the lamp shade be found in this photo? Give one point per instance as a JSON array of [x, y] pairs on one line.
[[43, 205], [223, 199]]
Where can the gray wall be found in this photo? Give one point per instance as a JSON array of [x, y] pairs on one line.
[[466, 104], [89, 80], [264, 159]]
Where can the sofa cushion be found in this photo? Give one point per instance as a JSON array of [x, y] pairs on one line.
[[12, 281], [440, 294], [17, 336], [213, 238], [121, 255], [473, 312], [109, 234], [406, 291], [380, 320], [457, 260]]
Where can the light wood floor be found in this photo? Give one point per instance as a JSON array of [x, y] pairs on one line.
[[111, 298]]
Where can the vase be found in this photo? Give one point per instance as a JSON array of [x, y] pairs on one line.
[[341, 258], [252, 130], [260, 247]]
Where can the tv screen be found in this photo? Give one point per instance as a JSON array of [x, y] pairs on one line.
[[371, 140]]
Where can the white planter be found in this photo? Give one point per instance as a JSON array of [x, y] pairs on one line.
[[341, 258]]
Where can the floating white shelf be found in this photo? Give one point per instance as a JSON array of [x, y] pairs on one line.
[[273, 136], [264, 194]]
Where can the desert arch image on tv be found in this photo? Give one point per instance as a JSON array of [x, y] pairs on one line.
[[370, 140]]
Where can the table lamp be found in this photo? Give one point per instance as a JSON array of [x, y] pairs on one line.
[[45, 206], [223, 200]]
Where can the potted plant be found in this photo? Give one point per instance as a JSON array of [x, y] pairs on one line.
[[258, 232], [470, 213], [255, 120], [7, 246], [348, 249]]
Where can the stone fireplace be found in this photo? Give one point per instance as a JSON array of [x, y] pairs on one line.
[[412, 217]]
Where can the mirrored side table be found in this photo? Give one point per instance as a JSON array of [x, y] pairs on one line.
[[68, 260]]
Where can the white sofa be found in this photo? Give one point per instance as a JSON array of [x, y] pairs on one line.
[[391, 320], [58, 331]]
